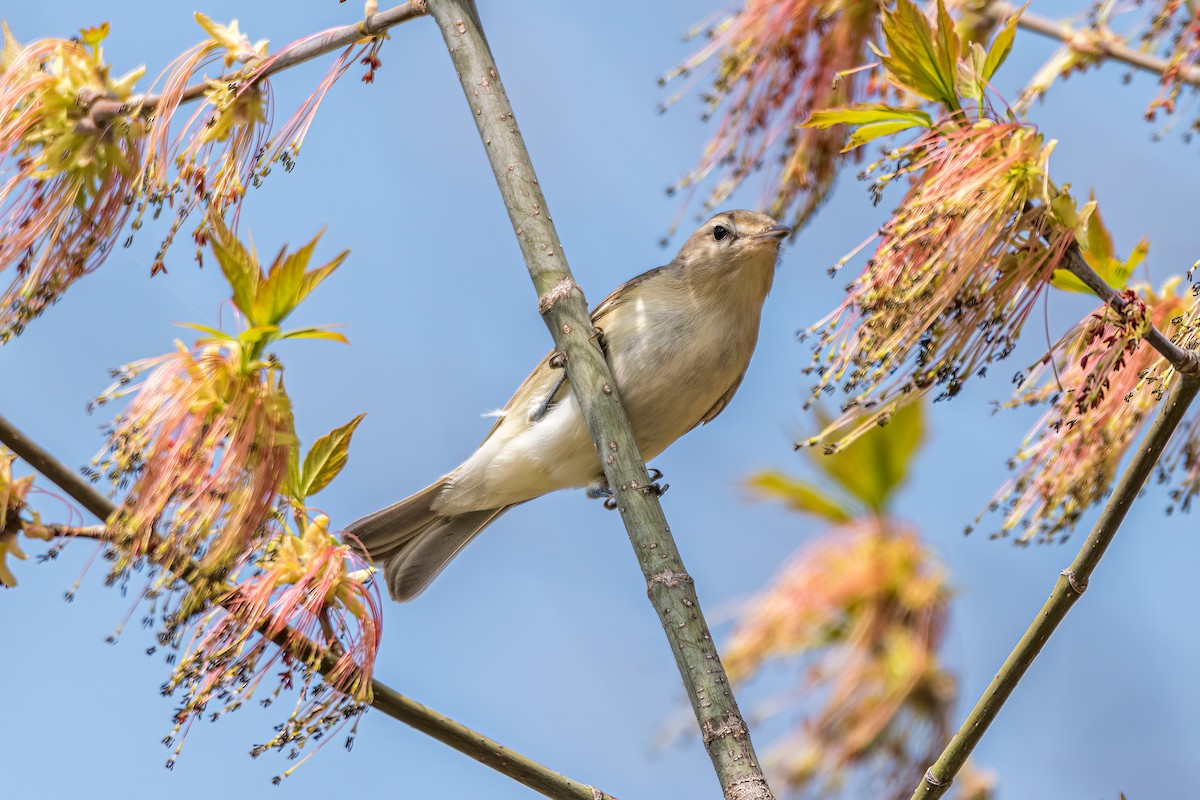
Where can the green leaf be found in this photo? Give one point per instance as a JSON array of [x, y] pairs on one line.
[[800, 496], [315, 333], [865, 114], [326, 458], [238, 265], [867, 133], [1001, 46], [915, 61], [280, 292], [1096, 246], [875, 465], [213, 333], [874, 120], [312, 278], [257, 334]]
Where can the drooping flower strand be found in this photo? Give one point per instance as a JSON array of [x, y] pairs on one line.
[[306, 603], [204, 444], [955, 274], [208, 161], [65, 182], [1102, 381], [774, 62]]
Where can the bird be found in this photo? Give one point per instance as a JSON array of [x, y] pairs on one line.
[[678, 339]]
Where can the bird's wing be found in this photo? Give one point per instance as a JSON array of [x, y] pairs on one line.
[[540, 383], [719, 406], [545, 384], [621, 293]]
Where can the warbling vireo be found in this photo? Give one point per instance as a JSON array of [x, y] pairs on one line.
[[678, 339]]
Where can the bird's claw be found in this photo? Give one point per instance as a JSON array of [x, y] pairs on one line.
[[558, 359], [598, 335]]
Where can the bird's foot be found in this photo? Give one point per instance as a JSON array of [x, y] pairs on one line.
[[598, 335], [654, 488], [558, 359], [599, 489]]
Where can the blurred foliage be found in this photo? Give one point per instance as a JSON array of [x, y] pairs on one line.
[[859, 614]]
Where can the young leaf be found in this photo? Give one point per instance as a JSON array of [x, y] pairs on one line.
[[326, 458], [865, 114], [280, 292], [867, 133], [238, 265], [1096, 246], [314, 276], [800, 495], [877, 463], [914, 61], [1001, 46], [873, 120], [213, 333], [314, 333]]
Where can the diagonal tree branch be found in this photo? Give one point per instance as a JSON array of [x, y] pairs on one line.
[[1186, 361], [313, 46], [1070, 586], [565, 312], [1000, 10], [479, 747]]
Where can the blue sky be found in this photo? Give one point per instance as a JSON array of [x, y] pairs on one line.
[[540, 635]]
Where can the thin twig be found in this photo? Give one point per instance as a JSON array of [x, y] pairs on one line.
[[479, 747], [1070, 586], [1186, 361], [317, 45], [671, 590], [1065, 33]]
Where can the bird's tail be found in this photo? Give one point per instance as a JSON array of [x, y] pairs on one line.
[[412, 543]]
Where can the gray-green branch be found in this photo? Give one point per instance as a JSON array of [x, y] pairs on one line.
[[1071, 584], [565, 312]]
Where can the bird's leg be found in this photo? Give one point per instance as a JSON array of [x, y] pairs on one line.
[[538, 413], [599, 488], [598, 335]]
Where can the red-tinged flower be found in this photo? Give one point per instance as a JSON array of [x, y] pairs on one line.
[[865, 609], [773, 63], [1176, 25], [65, 179], [956, 272], [205, 443], [285, 145], [307, 602], [209, 161], [1102, 381]]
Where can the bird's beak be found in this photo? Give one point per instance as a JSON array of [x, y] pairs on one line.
[[775, 232]]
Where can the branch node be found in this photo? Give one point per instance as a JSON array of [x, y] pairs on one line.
[[933, 780], [564, 288], [670, 579], [727, 725], [1080, 586]]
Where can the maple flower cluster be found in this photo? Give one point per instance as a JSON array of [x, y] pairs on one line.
[[773, 63], [305, 605], [955, 273], [207, 450], [82, 155], [65, 181], [1102, 382], [865, 605]]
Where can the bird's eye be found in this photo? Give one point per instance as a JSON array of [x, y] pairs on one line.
[[720, 232]]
